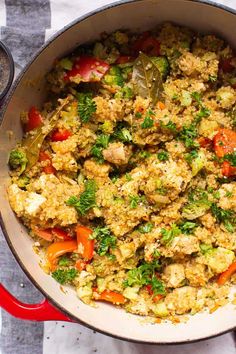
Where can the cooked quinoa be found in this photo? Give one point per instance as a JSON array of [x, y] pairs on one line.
[[126, 177]]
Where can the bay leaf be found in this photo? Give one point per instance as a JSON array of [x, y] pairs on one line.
[[147, 79], [33, 142]]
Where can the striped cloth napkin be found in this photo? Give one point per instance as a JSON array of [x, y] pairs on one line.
[[25, 25]]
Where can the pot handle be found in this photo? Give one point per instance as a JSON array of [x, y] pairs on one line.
[[43, 311]]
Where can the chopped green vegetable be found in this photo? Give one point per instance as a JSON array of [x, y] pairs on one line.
[[187, 227], [114, 77], [145, 274], [212, 78], [125, 92], [187, 135], [191, 156], [169, 235], [122, 133], [86, 106], [100, 144], [87, 199], [205, 248], [105, 240], [64, 276], [134, 201], [195, 209], [163, 155], [148, 121], [23, 181], [66, 64], [18, 159], [64, 261], [162, 64], [128, 177], [145, 228], [227, 217], [170, 126]]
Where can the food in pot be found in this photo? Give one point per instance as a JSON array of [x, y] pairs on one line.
[[125, 178]]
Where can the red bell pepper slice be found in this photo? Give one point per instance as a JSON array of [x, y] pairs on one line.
[[57, 249], [85, 245], [88, 69], [61, 234], [45, 234], [34, 119], [80, 264], [49, 169], [109, 296], [225, 276], [50, 234], [60, 135], [224, 142]]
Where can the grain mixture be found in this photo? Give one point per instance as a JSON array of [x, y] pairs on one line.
[[126, 178]]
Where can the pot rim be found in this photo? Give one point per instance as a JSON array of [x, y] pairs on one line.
[[11, 69], [2, 225]]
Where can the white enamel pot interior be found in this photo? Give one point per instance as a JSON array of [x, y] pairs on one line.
[[29, 90]]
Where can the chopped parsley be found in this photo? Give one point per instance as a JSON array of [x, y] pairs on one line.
[[128, 177], [191, 156], [169, 235], [100, 144], [122, 133], [86, 106], [87, 199], [135, 200], [148, 121], [145, 228], [187, 227], [163, 156], [170, 126], [64, 276], [227, 217], [231, 158], [105, 240], [145, 274], [64, 261], [187, 135]]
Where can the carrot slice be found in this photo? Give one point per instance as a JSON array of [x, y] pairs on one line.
[[225, 276]]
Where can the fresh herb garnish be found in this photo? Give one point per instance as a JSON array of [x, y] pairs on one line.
[[145, 228], [122, 133], [163, 156], [100, 144], [187, 227], [64, 276], [87, 199], [148, 121], [64, 261], [169, 235], [135, 200], [145, 274], [227, 217], [104, 239], [170, 126], [191, 156], [86, 106]]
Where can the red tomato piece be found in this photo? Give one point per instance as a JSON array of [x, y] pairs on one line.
[[224, 142], [60, 135], [88, 69], [85, 245], [44, 156], [205, 143], [34, 119], [228, 170]]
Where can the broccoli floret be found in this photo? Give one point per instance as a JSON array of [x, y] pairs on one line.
[[163, 65], [18, 159], [114, 77], [23, 181]]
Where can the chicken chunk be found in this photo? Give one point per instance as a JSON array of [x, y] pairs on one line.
[[181, 300], [174, 275], [117, 153]]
